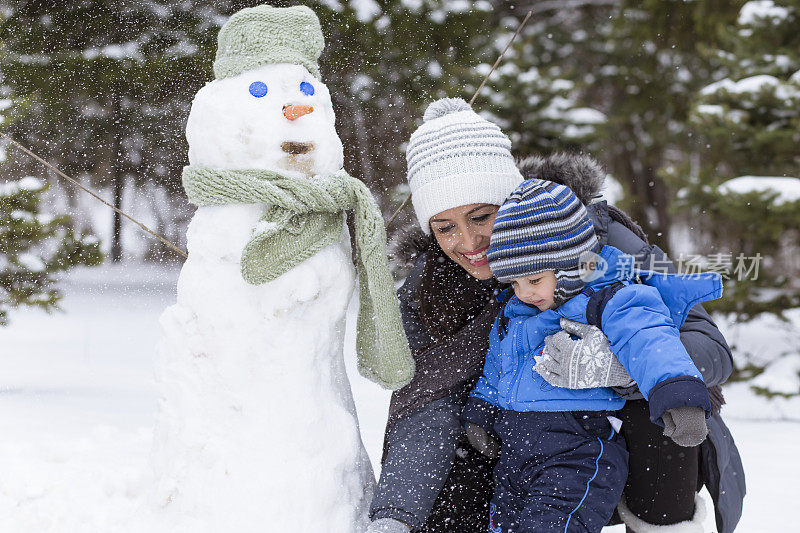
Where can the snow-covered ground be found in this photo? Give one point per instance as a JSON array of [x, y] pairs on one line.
[[77, 403]]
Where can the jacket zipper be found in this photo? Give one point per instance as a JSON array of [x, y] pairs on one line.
[[514, 389]]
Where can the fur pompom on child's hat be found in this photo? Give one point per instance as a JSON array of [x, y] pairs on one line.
[[456, 157], [264, 34]]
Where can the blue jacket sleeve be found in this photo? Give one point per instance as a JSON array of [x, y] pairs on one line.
[[699, 334], [647, 343], [706, 346], [421, 450]]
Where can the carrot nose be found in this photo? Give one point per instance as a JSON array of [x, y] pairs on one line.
[[293, 112]]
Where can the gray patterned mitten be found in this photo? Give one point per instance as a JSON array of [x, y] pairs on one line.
[[387, 525], [685, 425], [580, 364]]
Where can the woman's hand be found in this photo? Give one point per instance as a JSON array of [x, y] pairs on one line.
[[482, 441], [580, 364]]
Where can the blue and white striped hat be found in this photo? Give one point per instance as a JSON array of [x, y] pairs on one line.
[[542, 226]]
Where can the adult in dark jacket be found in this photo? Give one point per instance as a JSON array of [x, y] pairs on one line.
[[432, 480]]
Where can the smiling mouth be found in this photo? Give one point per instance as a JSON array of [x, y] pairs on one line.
[[296, 148], [477, 257]]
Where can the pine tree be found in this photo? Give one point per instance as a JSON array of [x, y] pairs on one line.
[[106, 87], [743, 199], [749, 124], [384, 67], [536, 93], [34, 247], [102, 88], [647, 69], [614, 79]]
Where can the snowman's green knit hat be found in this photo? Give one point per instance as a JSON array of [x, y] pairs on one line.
[[264, 34]]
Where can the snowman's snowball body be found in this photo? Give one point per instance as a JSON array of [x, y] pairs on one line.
[[256, 428]]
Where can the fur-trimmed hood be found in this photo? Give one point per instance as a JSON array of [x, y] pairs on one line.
[[580, 172], [586, 178], [404, 248]]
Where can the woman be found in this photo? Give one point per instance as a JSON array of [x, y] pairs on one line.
[[460, 171]]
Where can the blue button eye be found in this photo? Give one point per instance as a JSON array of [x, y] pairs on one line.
[[306, 88], [258, 89]]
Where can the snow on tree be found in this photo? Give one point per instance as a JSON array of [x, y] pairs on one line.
[[35, 247], [747, 173], [614, 79], [101, 88], [745, 196]]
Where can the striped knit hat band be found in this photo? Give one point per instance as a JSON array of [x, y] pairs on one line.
[[457, 158], [542, 226]]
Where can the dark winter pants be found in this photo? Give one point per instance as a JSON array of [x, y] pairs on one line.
[[660, 489], [558, 472], [463, 504], [663, 476]]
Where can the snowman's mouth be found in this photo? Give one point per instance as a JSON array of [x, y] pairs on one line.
[[296, 148]]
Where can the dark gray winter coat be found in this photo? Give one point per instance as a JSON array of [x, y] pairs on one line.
[[424, 429]]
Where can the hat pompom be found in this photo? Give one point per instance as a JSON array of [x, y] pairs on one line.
[[443, 107]]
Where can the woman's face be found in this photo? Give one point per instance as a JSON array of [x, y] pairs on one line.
[[463, 233]]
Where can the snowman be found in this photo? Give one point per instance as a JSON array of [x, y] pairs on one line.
[[256, 427]]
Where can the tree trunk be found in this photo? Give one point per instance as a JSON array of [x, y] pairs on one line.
[[116, 231], [650, 202]]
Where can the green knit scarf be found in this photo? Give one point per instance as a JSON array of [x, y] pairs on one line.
[[302, 216]]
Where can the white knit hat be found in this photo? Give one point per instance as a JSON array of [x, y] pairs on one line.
[[458, 158]]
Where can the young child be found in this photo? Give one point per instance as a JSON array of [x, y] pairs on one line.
[[562, 464]]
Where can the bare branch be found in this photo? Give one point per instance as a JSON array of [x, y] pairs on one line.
[[558, 5]]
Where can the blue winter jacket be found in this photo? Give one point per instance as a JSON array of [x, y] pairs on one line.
[[641, 321]]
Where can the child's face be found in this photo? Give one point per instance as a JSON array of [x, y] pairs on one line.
[[536, 290]]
